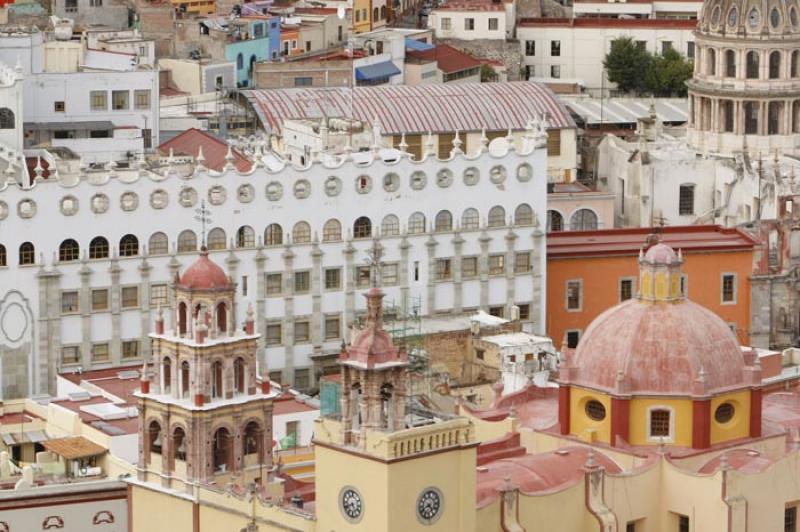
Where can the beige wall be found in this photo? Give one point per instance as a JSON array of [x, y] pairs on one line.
[[601, 203], [154, 511]]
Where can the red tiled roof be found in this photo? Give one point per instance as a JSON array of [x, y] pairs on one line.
[[214, 150], [448, 59], [609, 22], [604, 242], [315, 10]]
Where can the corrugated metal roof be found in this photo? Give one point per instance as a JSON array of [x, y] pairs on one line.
[[595, 111], [417, 109]]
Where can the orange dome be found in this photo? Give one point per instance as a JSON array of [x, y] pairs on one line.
[[204, 275], [658, 349]]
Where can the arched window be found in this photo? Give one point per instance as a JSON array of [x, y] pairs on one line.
[[555, 222], [523, 215], [730, 64], [252, 438], [774, 115], [6, 118], [158, 244], [273, 235], [187, 241], [375, 14], [470, 219], [222, 450], [182, 318], [301, 233], [27, 254], [179, 443], [222, 317], [416, 223], [128, 246], [775, 65], [383, 12], [245, 237], [166, 376], [3, 256], [252, 63], [443, 222], [795, 66], [216, 239], [387, 406], [751, 65], [390, 225], [216, 379], [583, 220], [362, 227], [68, 250], [497, 216], [98, 248], [185, 379], [154, 437], [332, 231], [238, 376], [239, 61], [711, 62]]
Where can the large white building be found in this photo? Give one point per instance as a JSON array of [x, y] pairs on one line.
[[652, 9], [474, 19], [101, 105], [573, 50], [88, 256]]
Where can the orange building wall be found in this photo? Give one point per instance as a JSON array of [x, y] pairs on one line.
[[601, 275]]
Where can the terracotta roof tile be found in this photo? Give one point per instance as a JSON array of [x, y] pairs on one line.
[[214, 150], [448, 59]]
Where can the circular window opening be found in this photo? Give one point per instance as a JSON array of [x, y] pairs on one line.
[[774, 17], [595, 410], [724, 413]]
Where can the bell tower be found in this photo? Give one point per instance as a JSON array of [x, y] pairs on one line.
[[202, 417]]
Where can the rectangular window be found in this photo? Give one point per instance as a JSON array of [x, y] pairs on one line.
[[98, 100], [142, 98], [71, 6], [625, 289], [70, 354], [130, 349], [447, 23], [100, 353], [64, 134], [728, 288], [59, 107], [130, 296], [333, 278], [480, 354], [690, 50], [301, 331], [686, 200], [683, 524], [641, 45], [274, 284], [530, 48], [99, 134], [308, 46], [100, 299], [790, 519], [302, 380], [555, 71], [274, 334], [444, 270], [555, 48], [522, 262], [553, 142], [305, 81], [389, 274], [524, 311], [493, 24], [572, 339], [293, 427], [666, 46], [244, 285], [469, 267], [332, 327], [469, 24], [258, 30], [497, 311], [574, 295], [302, 282], [659, 423], [497, 264], [363, 276], [276, 376], [69, 302], [630, 526], [96, 3], [159, 295], [119, 100]]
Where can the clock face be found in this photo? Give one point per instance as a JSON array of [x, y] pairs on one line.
[[351, 504], [753, 17], [429, 505]]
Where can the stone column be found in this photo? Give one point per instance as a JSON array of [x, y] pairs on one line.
[[238, 443], [317, 318], [261, 309], [85, 302], [511, 285], [144, 302], [539, 264], [458, 287], [483, 270], [349, 280], [288, 315], [430, 245], [404, 282], [116, 306]]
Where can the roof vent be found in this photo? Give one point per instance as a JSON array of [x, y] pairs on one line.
[[79, 396]]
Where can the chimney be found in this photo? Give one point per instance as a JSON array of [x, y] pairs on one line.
[[144, 382]]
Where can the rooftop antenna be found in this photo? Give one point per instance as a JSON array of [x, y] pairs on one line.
[[204, 217]]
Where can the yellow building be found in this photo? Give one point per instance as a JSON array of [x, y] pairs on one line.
[[362, 10]]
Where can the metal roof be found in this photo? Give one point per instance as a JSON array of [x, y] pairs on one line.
[[595, 111], [416, 109], [385, 69]]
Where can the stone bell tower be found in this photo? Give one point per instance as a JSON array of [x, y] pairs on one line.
[[202, 416]]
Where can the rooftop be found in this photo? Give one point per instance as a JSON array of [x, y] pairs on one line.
[[619, 242], [593, 111], [214, 150], [609, 22], [416, 109], [448, 59]]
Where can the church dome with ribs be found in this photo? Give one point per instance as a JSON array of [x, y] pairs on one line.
[[204, 274], [770, 18]]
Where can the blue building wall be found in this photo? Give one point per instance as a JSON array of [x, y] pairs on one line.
[[263, 38]]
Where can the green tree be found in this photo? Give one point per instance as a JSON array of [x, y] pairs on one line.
[[626, 64], [488, 73], [667, 74]]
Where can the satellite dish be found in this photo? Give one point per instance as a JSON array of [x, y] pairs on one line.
[[340, 12]]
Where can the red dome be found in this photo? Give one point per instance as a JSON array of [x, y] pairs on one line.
[[204, 275], [658, 348], [661, 254]]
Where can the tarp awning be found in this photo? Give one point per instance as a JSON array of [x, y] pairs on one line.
[[74, 448], [8, 438], [413, 44], [386, 69]]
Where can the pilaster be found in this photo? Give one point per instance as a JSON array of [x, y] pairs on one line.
[[483, 270], [458, 295], [288, 317], [430, 246], [144, 303]]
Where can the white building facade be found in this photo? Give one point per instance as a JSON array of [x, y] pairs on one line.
[[474, 20], [88, 258]]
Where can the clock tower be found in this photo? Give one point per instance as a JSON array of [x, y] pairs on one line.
[[382, 464]]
